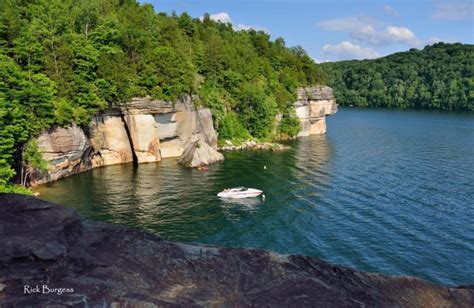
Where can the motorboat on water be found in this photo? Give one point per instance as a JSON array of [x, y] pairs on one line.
[[239, 193]]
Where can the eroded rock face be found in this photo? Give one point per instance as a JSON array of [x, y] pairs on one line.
[[312, 107], [67, 151], [162, 130], [109, 138], [145, 129], [146, 119], [144, 137], [111, 266], [206, 127]]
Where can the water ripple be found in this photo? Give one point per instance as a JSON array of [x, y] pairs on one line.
[[384, 191]]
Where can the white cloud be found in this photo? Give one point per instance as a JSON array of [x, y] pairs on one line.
[[224, 17], [454, 10], [367, 30], [220, 17], [351, 23], [320, 61], [399, 34], [387, 36], [249, 27], [346, 50], [390, 11]]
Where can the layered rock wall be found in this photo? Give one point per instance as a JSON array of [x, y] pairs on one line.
[[109, 138], [143, 130], [68, 151], [312, 106]]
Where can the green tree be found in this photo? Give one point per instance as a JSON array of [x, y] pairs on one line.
[[61, 63], [438, 77]]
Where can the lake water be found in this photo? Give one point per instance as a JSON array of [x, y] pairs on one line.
[[384, 191]]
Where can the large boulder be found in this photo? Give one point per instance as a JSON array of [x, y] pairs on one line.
[[199, 153], [74, 262], [206, 127]]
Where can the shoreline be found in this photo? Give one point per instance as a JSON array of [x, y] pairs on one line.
[[253, 146], [111, 264]]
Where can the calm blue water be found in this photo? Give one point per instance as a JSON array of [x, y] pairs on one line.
[[384, 191]]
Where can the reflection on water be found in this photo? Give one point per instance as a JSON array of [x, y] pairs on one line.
[[181, 204], [384, 191]]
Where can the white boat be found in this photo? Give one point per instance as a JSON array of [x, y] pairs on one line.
[[239, 193]]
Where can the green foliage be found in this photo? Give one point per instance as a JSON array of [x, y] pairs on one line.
[[32, 158], [232, 129], [440, 76], [257, 110], [25, 110], [63, 61], [10, 188], [289, 125]]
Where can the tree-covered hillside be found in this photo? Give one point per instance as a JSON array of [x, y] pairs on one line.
[[440, 76], [64, 60]]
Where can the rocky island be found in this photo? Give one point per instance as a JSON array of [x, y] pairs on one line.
[[84, 263]]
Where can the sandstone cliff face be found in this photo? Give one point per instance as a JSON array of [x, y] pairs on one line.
[[144, 129], [67, 151], [312, 106], [161, 129], [109, 138], [103, 265], [149, 130], [140, 117]]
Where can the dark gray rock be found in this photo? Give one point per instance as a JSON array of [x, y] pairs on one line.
[[102, 265]]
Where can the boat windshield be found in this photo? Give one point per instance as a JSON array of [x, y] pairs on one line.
[[240, 189]]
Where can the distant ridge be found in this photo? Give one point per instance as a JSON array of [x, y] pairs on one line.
[[440, 76]]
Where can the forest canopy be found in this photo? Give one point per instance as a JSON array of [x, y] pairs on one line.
[[63, 60], [440, 76]]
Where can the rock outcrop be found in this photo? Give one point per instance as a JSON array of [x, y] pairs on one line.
[[143, 129], [312, 106], [67, 151], [148, 130], [199, 153], [109, 138], [80, 263], [253, 145]]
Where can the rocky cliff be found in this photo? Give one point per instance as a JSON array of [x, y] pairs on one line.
[[68, 151], [143, 130], [49, 256], [312, 106]]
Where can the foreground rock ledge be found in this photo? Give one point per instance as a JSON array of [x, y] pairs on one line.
[[108, 265]]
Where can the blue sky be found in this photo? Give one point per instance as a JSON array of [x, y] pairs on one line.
[[339, 30]]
